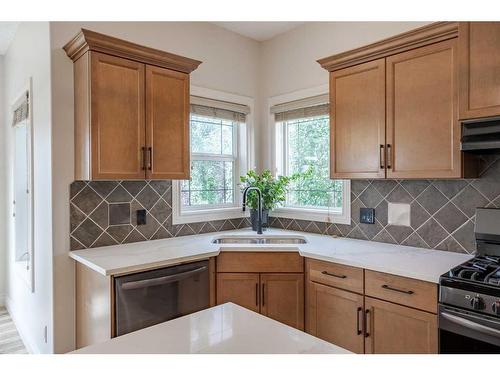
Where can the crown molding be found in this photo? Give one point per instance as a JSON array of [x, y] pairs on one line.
[[429, 34], [87, 40]]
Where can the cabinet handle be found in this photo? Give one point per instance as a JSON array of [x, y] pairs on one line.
[[143, 158], [382, 157], [389, 156], [358, 323], [263, 295], [150, 159], [367, 313], [333, 275], [256, 294], [397, 290]]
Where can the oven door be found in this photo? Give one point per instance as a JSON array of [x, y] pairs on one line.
[[466, 332]]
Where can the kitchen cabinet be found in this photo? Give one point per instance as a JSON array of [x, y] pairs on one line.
[[266, 282], [336, 316], [479, 57], [240, 288], [131, 110], [394, 108], [395, 329], [357, 121], [387, 316]]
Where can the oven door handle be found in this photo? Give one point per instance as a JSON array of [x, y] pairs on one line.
[[161, 280], [471, 325]]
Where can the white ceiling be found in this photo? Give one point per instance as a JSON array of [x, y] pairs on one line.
[[7, 32], [259, 31]]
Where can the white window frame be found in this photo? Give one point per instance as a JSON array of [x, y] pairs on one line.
[[244, 160], [324, 215], [25, 269]]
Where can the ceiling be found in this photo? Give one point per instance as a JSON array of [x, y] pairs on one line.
[[7, 32], [259, 31]]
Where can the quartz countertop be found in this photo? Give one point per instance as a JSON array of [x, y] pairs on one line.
[[223, 329], [406, 261]]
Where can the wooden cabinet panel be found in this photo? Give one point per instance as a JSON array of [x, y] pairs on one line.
[[357, 121], [479, 48], [167, 123], [394, 329], [239, 261], [423, 132], [402, 290], [117, 118], [337, 275], [336, 316], [282, 298], [240, 288]]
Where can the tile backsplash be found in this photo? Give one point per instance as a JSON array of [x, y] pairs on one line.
[[103, 213]]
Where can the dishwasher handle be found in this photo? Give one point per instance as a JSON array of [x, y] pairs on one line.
[[130, 285]]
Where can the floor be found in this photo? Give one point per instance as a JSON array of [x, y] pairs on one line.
[[10, 342]]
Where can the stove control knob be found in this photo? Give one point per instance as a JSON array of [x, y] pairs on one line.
[[496, 307], [477, 303]]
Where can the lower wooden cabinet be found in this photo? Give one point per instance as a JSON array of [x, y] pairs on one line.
[[282, 298], [335, 316], [396, 329], [240, 288]]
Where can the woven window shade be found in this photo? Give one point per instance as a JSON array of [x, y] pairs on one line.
[[219, 109], [308, 107], [21, 111]]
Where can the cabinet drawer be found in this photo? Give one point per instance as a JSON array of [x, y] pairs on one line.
[[402, 290], [337, 275], [260, 262]]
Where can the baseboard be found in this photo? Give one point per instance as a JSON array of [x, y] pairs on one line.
[[21, 329]]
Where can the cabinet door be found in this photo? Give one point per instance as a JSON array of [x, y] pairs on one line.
[[357, 121], [282, 298], [335, 316], [117, 118], [394, 329], [167, 118], [240, 288], [479, 69], [423, 132]]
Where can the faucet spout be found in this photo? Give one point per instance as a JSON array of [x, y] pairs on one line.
[[259, 205]]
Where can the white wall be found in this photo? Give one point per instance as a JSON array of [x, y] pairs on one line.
[[3, 181], [29, 56], [230, 64], [288, 61]]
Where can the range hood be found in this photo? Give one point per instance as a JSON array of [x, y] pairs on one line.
[[481, 136]]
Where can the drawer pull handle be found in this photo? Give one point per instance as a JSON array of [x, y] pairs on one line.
[[333, 275], [397, 290], [358, 323]]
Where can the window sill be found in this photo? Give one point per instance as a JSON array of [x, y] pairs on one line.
[[312, 215], [197, 216]]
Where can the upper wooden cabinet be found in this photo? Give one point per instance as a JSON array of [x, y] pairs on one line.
[[131, 110], [394, 108], [479, 46], [423, 132], [357, 96]]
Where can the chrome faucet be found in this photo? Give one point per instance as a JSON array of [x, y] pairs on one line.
[[259, 205]]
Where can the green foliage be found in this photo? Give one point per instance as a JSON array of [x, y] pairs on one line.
[[273, 189]]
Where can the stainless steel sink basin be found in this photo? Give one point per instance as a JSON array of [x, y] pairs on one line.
[[260, 240]]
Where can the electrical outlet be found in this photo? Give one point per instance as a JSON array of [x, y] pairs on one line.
[[45, 334], [367, 215], [141, 217]]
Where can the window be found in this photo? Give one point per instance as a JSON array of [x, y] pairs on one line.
[[22, 188], [218, 158], [303, 146]]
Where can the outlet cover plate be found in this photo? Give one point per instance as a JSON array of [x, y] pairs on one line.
[[367, 215]]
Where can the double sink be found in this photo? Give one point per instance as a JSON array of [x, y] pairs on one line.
[[259, 240]]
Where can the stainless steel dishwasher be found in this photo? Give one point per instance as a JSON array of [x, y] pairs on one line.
[[148, 298]]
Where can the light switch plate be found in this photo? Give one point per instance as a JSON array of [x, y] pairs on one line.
[[399, 214]]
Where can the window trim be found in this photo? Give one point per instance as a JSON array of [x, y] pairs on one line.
[[244, 162], [323, 215]]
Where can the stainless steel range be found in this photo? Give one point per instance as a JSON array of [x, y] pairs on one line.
[[469, 294]]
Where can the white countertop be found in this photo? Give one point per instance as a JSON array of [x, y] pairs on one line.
[[223, 329], [413, 262]]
